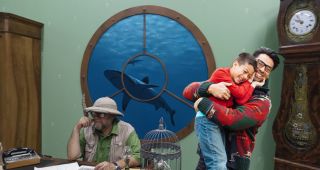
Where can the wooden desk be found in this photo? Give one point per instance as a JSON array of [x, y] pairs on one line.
[[47, 161]]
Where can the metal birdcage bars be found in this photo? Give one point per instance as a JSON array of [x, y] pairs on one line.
[[160, 150]]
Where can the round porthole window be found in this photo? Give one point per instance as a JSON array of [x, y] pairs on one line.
[[143, 58]]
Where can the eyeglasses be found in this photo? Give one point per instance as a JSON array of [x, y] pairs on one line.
[[261, 64], [93, 115]]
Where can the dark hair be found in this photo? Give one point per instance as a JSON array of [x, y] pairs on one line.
[[247, 58], [273, 55]]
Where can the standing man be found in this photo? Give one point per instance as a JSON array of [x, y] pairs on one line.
[[103, 138], [244, 120]]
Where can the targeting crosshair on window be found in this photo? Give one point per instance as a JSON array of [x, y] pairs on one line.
[[143, 58]]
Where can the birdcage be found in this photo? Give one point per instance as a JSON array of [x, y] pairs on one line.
[[160, 150]]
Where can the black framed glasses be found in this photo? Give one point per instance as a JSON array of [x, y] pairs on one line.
[[261, 64], [93, 115]]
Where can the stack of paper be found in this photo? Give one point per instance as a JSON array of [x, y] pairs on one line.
[[69, 166]]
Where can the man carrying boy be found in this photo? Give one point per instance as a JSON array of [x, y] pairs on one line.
[[245, 119], [209, 133]]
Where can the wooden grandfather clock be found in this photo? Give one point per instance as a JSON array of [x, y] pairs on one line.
[[296, 129]]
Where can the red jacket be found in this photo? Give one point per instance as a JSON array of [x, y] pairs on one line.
[[239, 92]]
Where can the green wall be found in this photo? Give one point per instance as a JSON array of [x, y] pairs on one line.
[[229, 26]]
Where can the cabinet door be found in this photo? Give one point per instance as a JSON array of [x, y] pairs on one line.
[[20, 91]]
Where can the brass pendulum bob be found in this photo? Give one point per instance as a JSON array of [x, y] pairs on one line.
[[299, 130]]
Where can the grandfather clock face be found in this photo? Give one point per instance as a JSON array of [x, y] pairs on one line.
[[301, 21]]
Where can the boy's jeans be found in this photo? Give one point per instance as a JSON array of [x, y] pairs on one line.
[[212, 142]]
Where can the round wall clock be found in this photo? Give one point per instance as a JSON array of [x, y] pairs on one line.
[[143, 57]]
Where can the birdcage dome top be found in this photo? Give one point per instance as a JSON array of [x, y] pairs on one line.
[[160, 144]]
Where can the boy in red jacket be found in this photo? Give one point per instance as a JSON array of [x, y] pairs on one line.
[[209, 133]]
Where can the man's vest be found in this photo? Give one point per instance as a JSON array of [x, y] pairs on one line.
[[118, 142]]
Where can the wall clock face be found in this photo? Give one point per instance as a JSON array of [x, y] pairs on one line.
[[302, 22]]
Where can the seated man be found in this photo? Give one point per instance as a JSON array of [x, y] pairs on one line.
[[102, 137]]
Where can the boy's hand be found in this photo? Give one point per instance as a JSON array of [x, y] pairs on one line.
[[258, 84], [252, 77]]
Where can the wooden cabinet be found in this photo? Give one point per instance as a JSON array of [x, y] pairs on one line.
[[20, 82]]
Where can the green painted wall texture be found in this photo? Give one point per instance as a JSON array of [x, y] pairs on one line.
[[229, 26]]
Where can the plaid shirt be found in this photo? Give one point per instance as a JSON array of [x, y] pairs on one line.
[[244, 121]]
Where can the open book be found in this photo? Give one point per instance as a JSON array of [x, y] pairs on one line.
[[69, 166]]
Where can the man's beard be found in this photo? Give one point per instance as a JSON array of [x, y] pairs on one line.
[[99, 127]]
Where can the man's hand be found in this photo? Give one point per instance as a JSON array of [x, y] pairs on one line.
[[74, 151], [204, 105], [220, 90], [83, 122], [105, 166], [196, 103]]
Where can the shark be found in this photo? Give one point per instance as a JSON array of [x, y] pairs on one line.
[[140, 89]]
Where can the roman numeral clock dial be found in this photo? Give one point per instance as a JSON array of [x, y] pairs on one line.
[[302, 22]]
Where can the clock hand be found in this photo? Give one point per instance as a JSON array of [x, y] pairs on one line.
[[298, 17], [299, 21]]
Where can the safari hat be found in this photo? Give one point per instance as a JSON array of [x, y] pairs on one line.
[[104, 105]]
